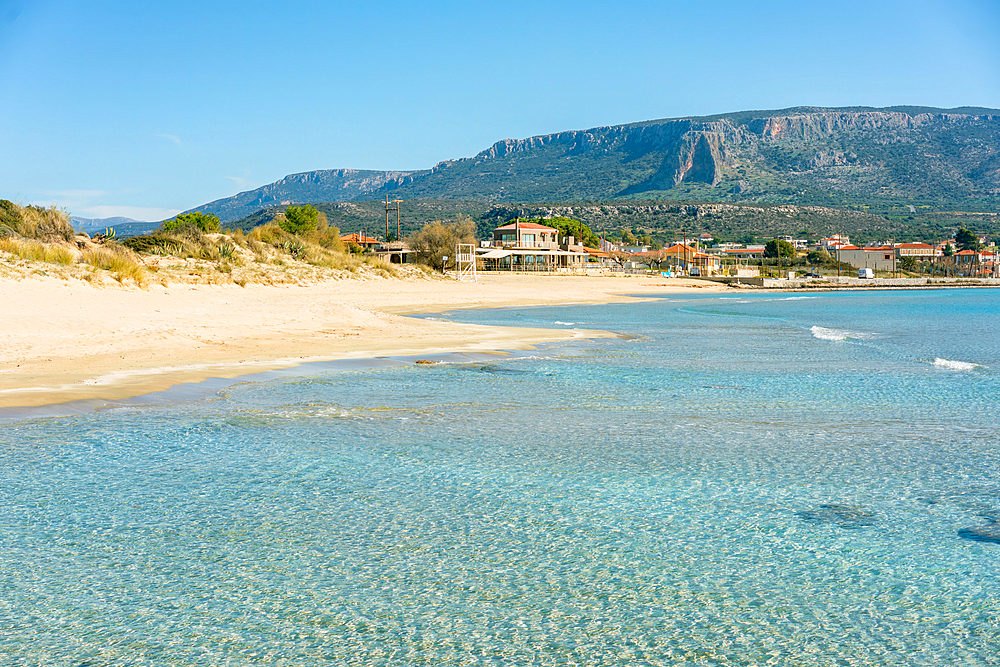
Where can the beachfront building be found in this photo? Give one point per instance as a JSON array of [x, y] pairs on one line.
[[751, 252], [877, 258], [691, 259], [973, 263], [396, 252], [600, 257], [831, 243], [360, 240], [798, 244], [530, 246], [922, 252]]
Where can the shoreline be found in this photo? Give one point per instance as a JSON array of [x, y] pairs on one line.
[[67, 341]]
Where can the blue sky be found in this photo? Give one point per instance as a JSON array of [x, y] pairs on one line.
[[123, 108]]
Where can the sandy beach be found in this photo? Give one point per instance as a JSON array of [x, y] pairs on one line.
[[65, 340]]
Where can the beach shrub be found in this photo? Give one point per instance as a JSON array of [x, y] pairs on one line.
[[819, 257], [437, 240], [271, 234], [36, 222], [117, 261], [154, 245], [299, 219], [203, 222], [327, 237]]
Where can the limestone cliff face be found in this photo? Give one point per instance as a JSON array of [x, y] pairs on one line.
[[902, 152]]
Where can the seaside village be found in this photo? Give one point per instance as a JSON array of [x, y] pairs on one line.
[[530, 246]]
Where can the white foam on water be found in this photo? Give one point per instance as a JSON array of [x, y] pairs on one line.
[[826, 333], [954, 365], [568, 324], [797, 298], [829, 334]]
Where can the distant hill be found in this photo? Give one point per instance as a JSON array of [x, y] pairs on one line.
[[849, 157], [328, 185], [124, 227]]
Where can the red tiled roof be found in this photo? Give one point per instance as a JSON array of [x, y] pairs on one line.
[[359, 239]]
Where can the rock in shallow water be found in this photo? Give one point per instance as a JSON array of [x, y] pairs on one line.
[[988, 533]]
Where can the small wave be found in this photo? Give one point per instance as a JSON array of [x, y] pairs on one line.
[[825, 333], [797, 298], [568, 324], [954, 365], [830, 334]]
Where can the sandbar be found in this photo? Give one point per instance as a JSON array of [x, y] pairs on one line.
[[67, 340]]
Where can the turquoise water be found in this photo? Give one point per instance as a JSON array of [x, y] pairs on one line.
[[758, 480]]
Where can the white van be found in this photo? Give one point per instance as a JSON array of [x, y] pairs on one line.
[[866, 273]]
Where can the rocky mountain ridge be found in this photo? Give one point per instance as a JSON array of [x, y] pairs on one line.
[[805, 155]]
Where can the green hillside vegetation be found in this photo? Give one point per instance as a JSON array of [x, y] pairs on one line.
[[662, 221]]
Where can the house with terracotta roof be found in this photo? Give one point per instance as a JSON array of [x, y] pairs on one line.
[[832, 242], [973, 263], [691, 259], [922, 252], [361, 240], [530, 246]]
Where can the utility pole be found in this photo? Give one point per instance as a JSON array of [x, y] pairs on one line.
[[685, 245], [387, 209]]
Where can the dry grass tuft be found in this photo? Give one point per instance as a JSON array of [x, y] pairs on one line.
[[34, 222], [36, 252], [118, 261]]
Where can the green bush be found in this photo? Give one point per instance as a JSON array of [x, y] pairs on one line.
[[35, 222], [771, 249], [299, 219], [154, 245], [204, 222]]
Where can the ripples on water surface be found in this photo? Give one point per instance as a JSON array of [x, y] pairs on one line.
[[725, 486]]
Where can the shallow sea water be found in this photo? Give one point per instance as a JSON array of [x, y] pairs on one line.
[[753, 479]]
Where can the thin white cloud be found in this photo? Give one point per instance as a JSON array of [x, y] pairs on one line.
[[170, 137], [142, 213]]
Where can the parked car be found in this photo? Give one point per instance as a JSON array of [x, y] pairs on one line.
[[866, 273]]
